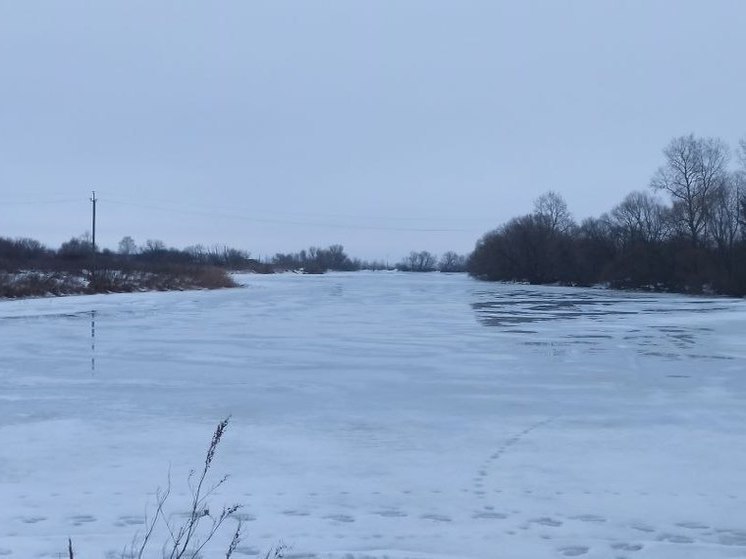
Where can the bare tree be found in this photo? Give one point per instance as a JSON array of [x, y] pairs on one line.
[[154, 245], [551, 209], [725, 214], [127, 246], [452, 262], [422, 261], [77, 247], [640, 218], [338, 260], [694, 168], [741, 188], [198, 253]]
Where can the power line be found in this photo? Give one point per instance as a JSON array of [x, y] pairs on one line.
[[37, 202], [281, 221], [167, 204]]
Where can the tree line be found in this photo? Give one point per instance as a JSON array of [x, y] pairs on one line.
[[29, 268], [78, 253], [691, 241], [319, 260]]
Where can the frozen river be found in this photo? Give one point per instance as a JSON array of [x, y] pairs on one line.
[[381, 415]]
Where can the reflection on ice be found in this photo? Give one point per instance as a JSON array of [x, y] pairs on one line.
[[93, 341], [594, 318]]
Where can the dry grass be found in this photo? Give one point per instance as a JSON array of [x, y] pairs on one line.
[[166, 278], [187, 537]]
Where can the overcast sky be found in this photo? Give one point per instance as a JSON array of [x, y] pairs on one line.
[[385, 126]]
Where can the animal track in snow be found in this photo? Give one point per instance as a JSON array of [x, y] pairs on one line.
[[692, 525], [246, 550], [674, 538], [340, 518], [129, 521], [483, 471], [80, 519], [623, 546], [436, 517], [589, 518], [573, 550], [391, 513], [732, 537], [490, 514], [293, 512], [546, 521]]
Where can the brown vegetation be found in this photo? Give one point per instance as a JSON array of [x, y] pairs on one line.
[[29, 269]]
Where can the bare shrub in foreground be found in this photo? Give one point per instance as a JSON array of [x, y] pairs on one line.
[[186, 538]]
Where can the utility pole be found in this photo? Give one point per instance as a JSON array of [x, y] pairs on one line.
[[93, 205], [93, 237]]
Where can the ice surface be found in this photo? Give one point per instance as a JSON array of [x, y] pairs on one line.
[[381, 415]]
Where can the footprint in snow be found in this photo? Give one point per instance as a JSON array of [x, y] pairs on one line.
[[391, 513], [732, 537], [294, 512], [246, 550], [129, 521], [490, 515], [33, 519], [573, 550], [546, 521], [589, 518], [4, 551], [80, 519], [674, 538], [692, 525], [436, 517], [340, 518], [623, 546]]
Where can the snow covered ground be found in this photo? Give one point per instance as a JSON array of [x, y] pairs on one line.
[[381, 415]]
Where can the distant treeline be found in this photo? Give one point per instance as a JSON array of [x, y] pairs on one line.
[[319, 260], [28, 268], [694, 243], [78, 253]]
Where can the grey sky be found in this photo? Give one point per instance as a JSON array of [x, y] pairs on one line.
[[385, 126]]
